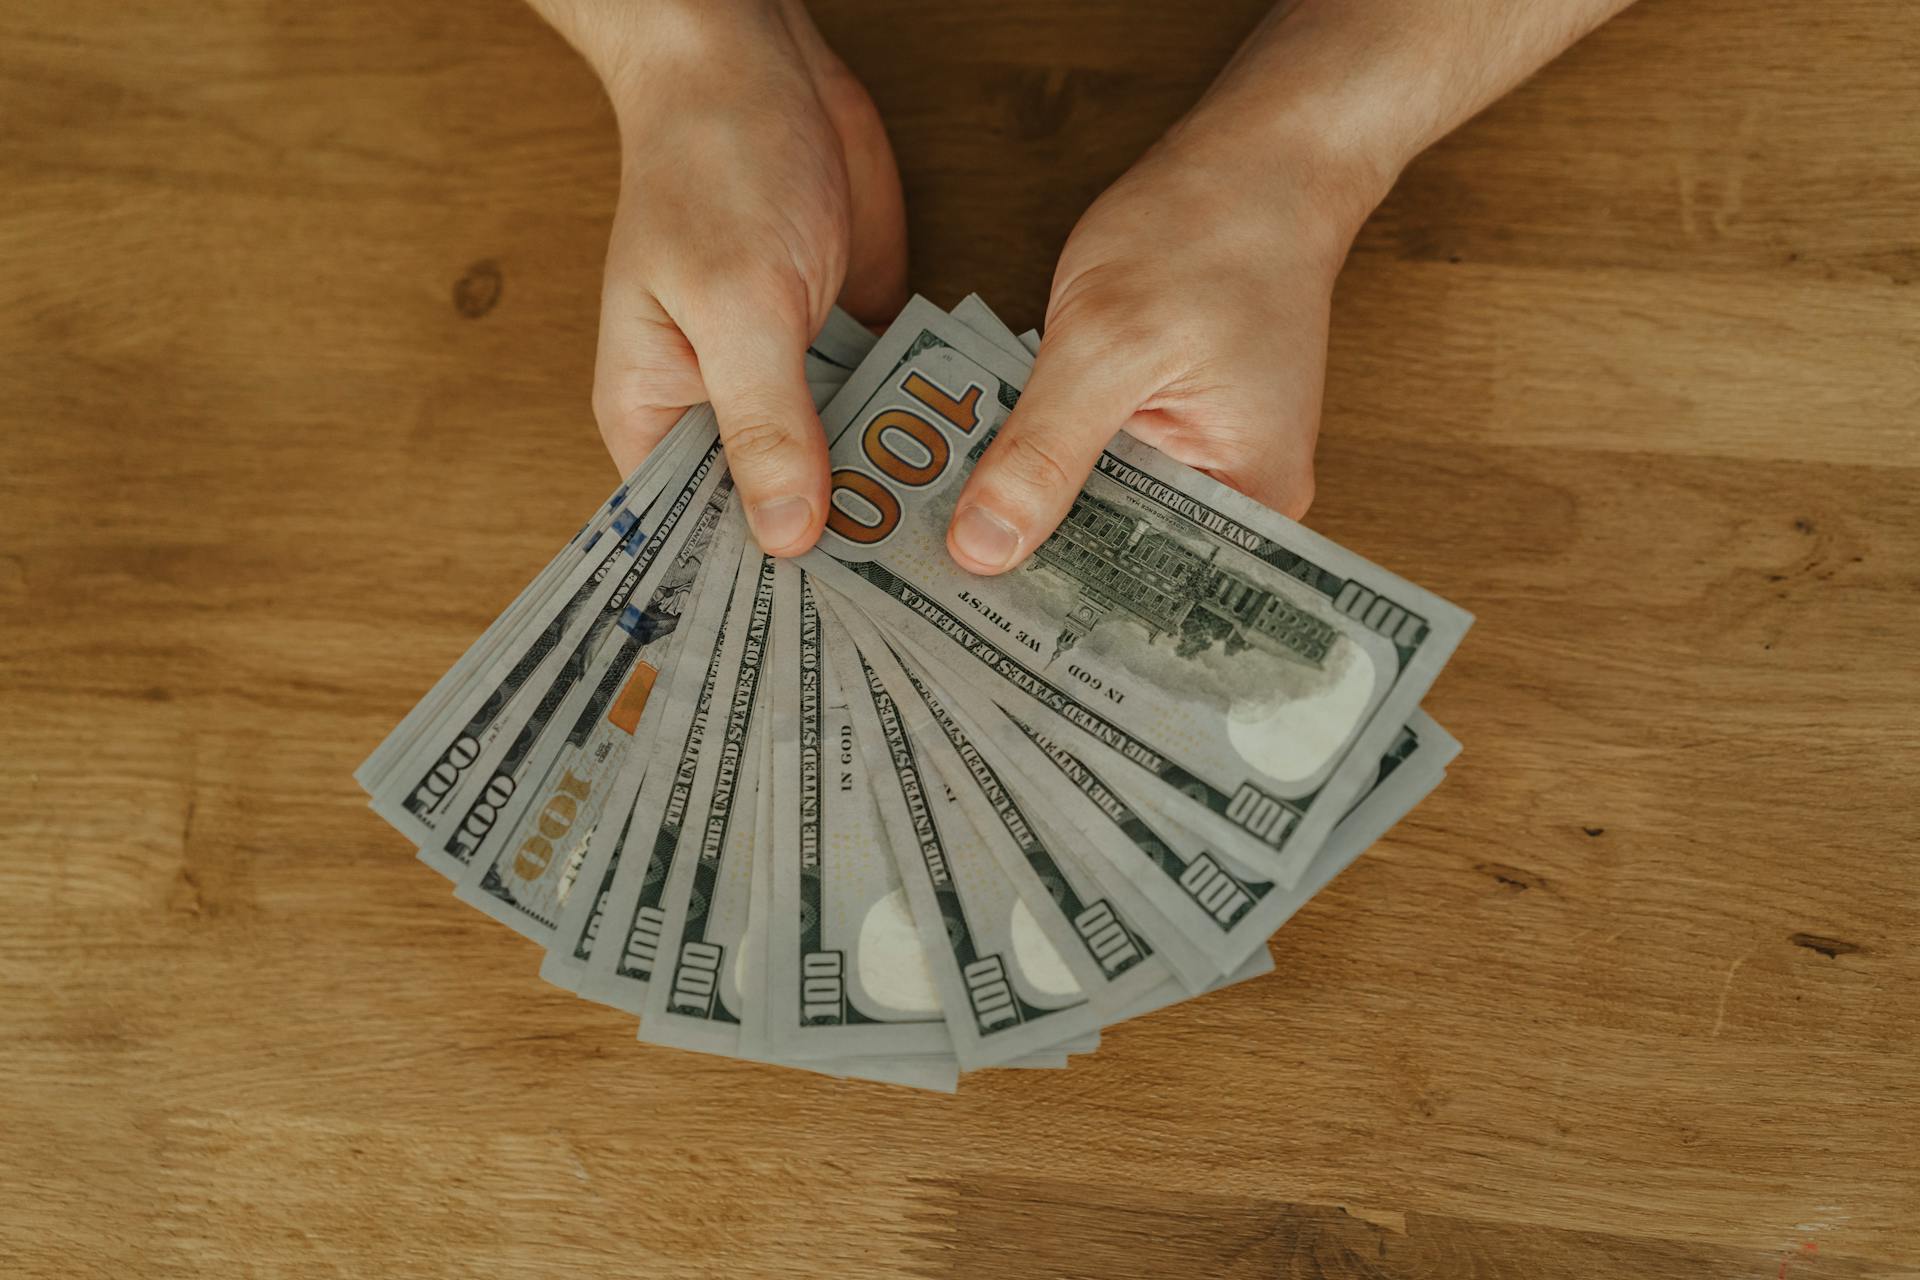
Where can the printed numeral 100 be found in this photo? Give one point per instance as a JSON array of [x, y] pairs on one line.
[[906, 450]]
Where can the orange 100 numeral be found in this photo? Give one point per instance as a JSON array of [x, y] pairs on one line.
[[963, 412], [882, 443], [536, 852]]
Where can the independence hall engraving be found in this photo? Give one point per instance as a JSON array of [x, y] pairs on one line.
[[1121, 562]]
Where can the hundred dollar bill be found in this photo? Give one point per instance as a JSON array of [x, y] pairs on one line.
[[509, 620], [853, 973], [974, 313], [676, 804], [939, 1072], [754, 1040], [1231, 908], [1219, 904], [521, 868], [523, 880], [1111, 961], [485, 666], [842, 343], [838, 348], [1250, 668], [973, 715], [623, 519], [707, 895], [531, 728], [1370, 819], [620, 878], [571, 945], [441, 756], [1003, 995], [452, 769], [1406, 752], [1064, 827], [1193, 972], [583, 904], [934, 1072], [701, 1000], [846, 972]]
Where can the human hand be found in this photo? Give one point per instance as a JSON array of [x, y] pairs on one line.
[[1189, 309], [756, 187]]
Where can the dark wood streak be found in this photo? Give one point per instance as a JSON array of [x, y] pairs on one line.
[[1625, 367], [1075, 1230]]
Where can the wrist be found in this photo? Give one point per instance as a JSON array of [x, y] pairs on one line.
[[1343, 99], [1289, 170], [633, 43]]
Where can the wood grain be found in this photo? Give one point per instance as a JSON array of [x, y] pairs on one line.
[[296, 327]]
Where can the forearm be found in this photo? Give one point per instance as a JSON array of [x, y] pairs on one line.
[[627, 39], [1366, 85]]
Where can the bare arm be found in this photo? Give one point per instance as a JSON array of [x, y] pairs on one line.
[[1380, 81], [1190, 304], [756, 187]]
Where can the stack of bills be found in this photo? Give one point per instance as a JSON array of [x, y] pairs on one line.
[[865, 813]]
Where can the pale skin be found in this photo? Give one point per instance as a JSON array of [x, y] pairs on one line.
[[1190, 304]]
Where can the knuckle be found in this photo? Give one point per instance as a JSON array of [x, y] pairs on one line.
[[731, 271], [756, 442], [638, 375], [762, 284], [619, 405], [1027, 465], [1104, 328], [1099, 299], [1092, 317]]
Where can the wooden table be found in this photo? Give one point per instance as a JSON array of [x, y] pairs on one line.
[[297, 307]]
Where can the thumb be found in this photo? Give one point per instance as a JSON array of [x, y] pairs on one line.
[[1079, 396], [755, 375]]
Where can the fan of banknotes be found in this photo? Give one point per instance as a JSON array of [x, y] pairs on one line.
[[865, 813]]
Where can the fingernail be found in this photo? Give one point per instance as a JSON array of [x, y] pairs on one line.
[[778, 523], [985, 538]]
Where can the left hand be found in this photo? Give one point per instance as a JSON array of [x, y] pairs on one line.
[[1190, 310]]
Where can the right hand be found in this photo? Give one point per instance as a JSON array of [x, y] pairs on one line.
[[756, 187]]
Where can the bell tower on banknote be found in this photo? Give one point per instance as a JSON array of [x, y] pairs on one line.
[[1121, 561]]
